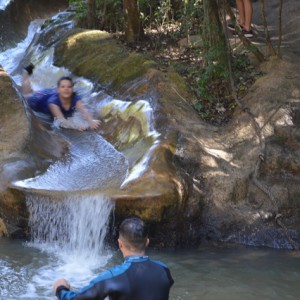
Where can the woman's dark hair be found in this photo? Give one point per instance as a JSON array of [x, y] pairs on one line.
[[64, 78], [134, 233]]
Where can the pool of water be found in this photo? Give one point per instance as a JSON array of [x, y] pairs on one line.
[[209, 273]]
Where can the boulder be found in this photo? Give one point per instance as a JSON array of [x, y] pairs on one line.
[[14, 137]]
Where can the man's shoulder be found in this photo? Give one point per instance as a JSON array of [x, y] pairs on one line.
[[112, 272], [160, 263], [119, 269]]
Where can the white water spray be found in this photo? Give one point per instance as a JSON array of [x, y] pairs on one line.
[[3, 4], [72, 228], [71, 232], [11, 58]]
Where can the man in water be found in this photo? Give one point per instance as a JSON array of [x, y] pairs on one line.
[[138, 278], [60, 103]]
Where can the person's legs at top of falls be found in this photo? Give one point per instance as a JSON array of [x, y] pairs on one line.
[[245, 11]]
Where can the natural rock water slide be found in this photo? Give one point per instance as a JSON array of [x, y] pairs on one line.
[[192, 180], [68, 163], [90, 164]]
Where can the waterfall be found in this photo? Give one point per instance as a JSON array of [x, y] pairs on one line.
[[11, 58], [3, 4], [72, 228]]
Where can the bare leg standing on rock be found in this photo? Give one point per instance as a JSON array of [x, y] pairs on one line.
[[245, 13], [245, 10]]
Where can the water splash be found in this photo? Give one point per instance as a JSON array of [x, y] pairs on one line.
[[71, 231], [3, 4], [93, 164], [72, 228], [11, 58]]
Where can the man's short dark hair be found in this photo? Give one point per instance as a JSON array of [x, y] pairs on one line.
[[133, 232]]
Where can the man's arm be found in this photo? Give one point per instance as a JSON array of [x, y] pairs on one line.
[[62, 292], [97, 289]]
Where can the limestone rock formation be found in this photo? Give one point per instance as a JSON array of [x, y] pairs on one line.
[[199, 181], [14, 135], [25, 147]]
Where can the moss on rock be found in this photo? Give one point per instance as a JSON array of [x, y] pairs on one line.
[[95, 54]]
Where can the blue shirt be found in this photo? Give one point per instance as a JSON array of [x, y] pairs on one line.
[[39, 101]]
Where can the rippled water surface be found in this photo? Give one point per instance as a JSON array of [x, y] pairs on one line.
[[206, 273]]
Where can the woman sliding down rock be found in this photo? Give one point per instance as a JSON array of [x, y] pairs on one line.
[[59, 104]]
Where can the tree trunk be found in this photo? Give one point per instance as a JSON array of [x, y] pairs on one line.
[[103, 9], [213, 35], [213, 32], [133, 28], [280, 28], [91, 15], [176, 5], [272, 51]]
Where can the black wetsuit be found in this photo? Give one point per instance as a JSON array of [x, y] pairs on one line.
[[138, 278]]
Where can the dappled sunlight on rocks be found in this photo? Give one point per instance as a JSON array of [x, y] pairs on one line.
[[219, 154], [92, 35], [218, 173], [210, 161]]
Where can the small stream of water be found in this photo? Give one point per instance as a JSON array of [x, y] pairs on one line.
[[74, 226]]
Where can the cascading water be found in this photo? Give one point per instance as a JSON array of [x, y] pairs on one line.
[[3, 4], [11, 58], [68, 210], [67, 241], [73, 228], [92, 164], [68, 226]]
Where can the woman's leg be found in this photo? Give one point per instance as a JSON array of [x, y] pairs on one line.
[[241, 10], [26, 89], [248, 14]]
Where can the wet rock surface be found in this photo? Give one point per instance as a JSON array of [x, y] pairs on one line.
[[14, 20], [14, 135], [199, 181], [25, 147]]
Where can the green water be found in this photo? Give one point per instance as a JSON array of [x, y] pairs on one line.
[[210, 272]]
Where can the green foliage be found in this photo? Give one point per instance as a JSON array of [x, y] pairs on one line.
[[191, 16], [210, 81], [80, 8], [109, 13], [240, 62], [154, 13], [163, 11], [212, 70]]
